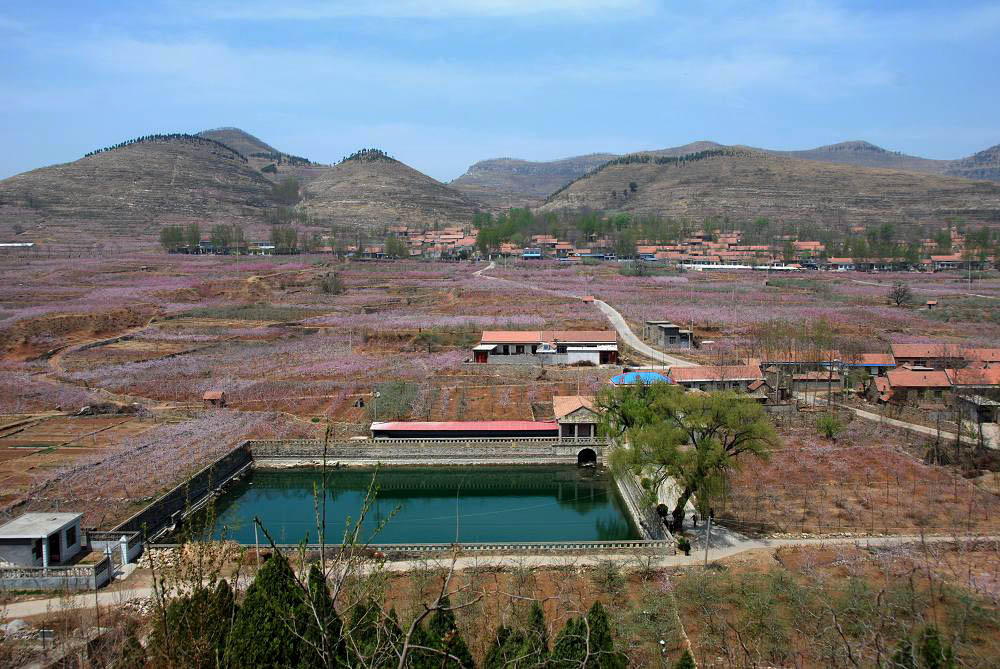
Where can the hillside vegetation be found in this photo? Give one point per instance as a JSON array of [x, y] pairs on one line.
[[743, 183], [510, 182], [135, 187], [371, 189]]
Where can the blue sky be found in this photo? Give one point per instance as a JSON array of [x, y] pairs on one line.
[[441, 84]]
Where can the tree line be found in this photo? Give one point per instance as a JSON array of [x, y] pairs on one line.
[[281, 157], [288, 621], [168, 138], [646, 158], [369, 154]]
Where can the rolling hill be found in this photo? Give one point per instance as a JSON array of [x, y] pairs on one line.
[[238, 139], [506, 182], [866, 154], [746, 183], [370, 189], [510, 182], [133, 188], [269, 161], [982, 165]]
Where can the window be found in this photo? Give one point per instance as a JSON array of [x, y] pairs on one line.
[[36, 549], [71, 536], [520, 349], [938, 394]]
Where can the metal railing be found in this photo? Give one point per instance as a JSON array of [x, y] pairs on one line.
[[479, 547]]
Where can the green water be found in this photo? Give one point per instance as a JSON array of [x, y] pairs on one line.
[[431, 505]]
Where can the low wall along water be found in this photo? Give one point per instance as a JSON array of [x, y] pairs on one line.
[[257, 457]]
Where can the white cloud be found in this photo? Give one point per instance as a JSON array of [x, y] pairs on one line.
[[438, 9]]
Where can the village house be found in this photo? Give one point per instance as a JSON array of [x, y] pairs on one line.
[[839, 264], [667, 335], [939, 356], [815, 380], [214, 398], [875, 364], [556, 347], [41, 539], [907, 385], [717, 377], [577, 416], [971, 380]]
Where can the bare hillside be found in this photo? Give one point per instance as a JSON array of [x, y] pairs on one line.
[[866, 154], [744, 183], [240, 140], [272, 163], [510, 182], [982, 165], [133, 189], [377, 191]]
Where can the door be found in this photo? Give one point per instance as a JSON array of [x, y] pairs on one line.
[[55, 552]]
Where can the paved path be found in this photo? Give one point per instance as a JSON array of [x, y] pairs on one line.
[[912, 427], [625, 332], [616, 320], [724, 544]]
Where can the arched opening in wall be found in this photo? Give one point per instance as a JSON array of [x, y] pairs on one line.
[[587, 457]]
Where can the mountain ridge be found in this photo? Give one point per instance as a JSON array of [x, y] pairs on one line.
[[747, 183], [860, 153]]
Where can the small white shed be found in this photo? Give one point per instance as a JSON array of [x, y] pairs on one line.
[[41, 539]]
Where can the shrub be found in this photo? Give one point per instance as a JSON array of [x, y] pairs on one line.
[[685, 661], [608, 577], [331, 284], [829, 425]]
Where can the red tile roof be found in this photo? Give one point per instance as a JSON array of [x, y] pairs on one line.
[[563, 405], [989, 376], [477, 425], [881, 359], [715, 373], [539, 336], [922, 351], [909, 378]]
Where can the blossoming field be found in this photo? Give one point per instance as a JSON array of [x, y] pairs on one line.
[[159, 331]]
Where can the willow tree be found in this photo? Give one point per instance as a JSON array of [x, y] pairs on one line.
[[693, 438]]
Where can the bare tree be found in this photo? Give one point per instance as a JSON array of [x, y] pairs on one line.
[[900, 294]]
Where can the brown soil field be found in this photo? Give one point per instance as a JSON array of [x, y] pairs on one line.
[[780, 608], [870, 480], [54, 443]]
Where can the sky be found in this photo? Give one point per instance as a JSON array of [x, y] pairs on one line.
[[441, 84]]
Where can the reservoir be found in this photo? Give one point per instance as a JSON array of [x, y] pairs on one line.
[[429, 505]]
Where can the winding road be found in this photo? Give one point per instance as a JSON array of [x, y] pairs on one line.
[[616, 319]]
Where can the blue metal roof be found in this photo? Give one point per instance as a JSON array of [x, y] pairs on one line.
[[634, 378]]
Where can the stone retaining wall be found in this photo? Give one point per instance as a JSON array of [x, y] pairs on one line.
[[190, 494], [76, 577], [645, 518], [425, 453]]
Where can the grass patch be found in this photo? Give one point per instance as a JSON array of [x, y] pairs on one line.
[[968, 309], [395, 400], [250, 312]]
